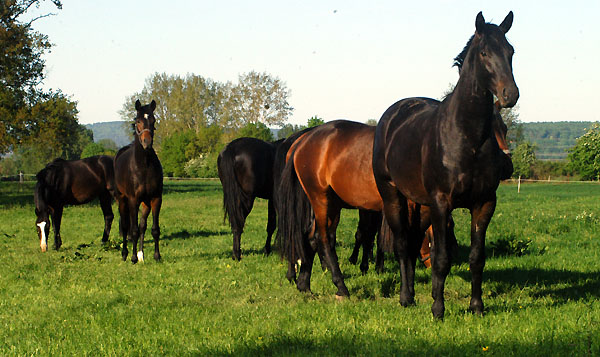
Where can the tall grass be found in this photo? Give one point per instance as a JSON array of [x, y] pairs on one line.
[[541, 285]]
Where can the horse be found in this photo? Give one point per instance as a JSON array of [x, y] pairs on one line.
[[245, 169], [139, 180], [316, 184], [74, 182], [506, 169], [444, 155]]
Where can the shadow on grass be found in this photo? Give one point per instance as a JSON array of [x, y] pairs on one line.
[[369, 344], [561, 285], [185, 234]]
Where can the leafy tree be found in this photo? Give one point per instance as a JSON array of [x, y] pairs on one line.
[[21, 69], [256, 130], [585, 155], [173, 152], [523, 158], [259, 97], [98, 148], [108, 144], [314, 121], [372, 122], [288, 129]]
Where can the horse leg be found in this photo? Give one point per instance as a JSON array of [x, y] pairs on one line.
[[303, 282], [156, 203], [480, 218], [124, 224], [271, 225], [359, 236], [374, 221], [105, 204], [396, 213], [439, 257], [56, 220], [143, 225], [326, 220], [134, 228]]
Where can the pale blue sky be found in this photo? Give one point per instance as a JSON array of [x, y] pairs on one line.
[[340, 59]]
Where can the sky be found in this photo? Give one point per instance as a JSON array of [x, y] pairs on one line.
[[339, 59]]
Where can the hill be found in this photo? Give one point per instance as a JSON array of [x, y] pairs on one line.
[[115, 130], [554, 138]]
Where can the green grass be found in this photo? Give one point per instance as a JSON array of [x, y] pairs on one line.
[[542, 300]]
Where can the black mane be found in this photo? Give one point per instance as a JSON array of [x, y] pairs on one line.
[[460, 59]]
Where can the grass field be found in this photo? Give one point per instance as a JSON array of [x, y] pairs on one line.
[[541, 286]]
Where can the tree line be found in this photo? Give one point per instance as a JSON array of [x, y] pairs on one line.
[[196, 116]]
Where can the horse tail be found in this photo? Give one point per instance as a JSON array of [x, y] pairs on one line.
[[385, 237], [294, 214], [236, 202]]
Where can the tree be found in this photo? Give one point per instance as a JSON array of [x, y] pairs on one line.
[[584, 157], [314, 121], [21, 69], [289, 129], [372, 122], [256, 130], [259, 97], [173, 152], [523, 158]]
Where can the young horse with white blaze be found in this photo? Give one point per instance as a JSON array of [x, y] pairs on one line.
[[139, 180]]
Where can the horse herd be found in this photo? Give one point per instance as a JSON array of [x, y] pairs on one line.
[[405, 176]]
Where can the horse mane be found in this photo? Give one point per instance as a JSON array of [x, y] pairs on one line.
[[121, 150], [460, 59], [51, 175]]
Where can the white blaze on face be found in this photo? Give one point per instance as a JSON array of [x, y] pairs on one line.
[[146, 116], [140, 255], [43, 243]]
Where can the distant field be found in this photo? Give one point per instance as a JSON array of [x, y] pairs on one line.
[[541, 286]]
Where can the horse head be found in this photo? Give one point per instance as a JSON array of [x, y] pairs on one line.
[[144, 123], [494, 57], [42, 212]]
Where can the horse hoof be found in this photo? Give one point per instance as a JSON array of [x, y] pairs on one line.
[[476, 307], [157, 257], [406, 302], [353, 260], [437, 309]]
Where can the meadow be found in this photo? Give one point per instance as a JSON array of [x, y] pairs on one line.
[[541, 285]]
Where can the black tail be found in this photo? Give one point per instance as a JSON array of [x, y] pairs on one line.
[[385, 238], [236, 203], [294, 214]]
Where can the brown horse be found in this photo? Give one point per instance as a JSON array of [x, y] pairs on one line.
[[332, 163], [139, 180], [444, 155], [74, 182]]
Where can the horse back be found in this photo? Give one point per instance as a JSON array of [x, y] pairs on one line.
[[337, 156]]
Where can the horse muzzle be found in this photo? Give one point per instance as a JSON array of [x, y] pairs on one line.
[[508, 96]]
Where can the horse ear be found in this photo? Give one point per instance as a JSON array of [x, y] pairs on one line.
[[153, 105], [507, 23], [138, 105], [479, 23]]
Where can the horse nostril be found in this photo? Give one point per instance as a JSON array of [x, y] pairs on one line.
[[504, 94]]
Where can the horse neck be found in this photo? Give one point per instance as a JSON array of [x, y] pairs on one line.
[[140, 155], [470, 109]]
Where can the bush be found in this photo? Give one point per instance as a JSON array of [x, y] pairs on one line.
[[585, 155], [203, 166]]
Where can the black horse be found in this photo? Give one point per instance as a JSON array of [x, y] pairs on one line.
[[75, 182], [245, 168], [444, 155], [139, 180]]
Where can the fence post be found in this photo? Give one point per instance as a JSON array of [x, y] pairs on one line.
[[519, 185], [20, 176]]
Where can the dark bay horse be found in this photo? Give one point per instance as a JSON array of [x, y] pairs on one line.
[[75, 182], [139, 180], [245, 168], [506, 169], [444, 155]]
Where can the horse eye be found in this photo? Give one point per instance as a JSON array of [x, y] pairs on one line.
[[483, 54]]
